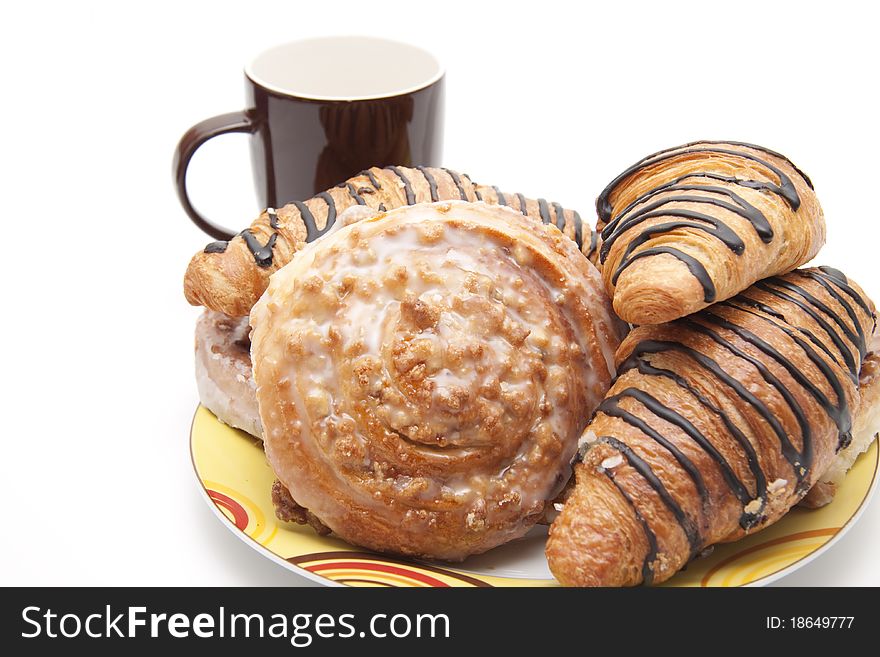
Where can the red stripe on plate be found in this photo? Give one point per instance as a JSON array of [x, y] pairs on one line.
[[239, 515], [381, 567]]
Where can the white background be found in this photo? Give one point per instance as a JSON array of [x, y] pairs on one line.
[[548, 98]]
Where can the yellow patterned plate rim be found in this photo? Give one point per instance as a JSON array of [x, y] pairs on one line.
[[235, 479]]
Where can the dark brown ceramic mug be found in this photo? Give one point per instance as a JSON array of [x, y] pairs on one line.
[[321, 110]]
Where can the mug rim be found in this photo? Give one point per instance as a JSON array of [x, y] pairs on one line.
[[287, 93]]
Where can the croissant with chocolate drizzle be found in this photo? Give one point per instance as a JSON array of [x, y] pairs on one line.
[[229, 277], [699, 223], [716, 426]]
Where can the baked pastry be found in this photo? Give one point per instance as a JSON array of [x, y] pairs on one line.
[[715, 427], [224, 374], [225, 384], [223, 370], [288, 510], [701, 222], [423, 376], [590, 247], [229, 277], [866, 425]]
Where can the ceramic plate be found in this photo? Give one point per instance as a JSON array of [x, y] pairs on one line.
[[236, 481]]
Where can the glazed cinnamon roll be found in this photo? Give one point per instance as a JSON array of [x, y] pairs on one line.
[[423, 376]]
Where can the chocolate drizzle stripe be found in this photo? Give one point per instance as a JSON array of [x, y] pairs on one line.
[[762, 227], [841, 281], [432, 184], [707, 363], [579, 233], [743, 144], [798, 411], [560, 216], [800, 460], [501, 199], [851, 335], [217, 247], [718, 177], [737, 487], [308, 219], [262, 252], [716, 229], [768, 152], [695, 266], [522, 204], [785, 188], [836, 273], [839, 414], [850, 311], [407, 185], [842, 349], [331, 210], [611, 407], [687, 427], [641, 466], [273, 218], [767, 310], [742, 207], [457, 180], [650, 536], [382, 207], [353, 192], [836, 414], [651, 211], [373, 180], [477, 194], [544, 209]]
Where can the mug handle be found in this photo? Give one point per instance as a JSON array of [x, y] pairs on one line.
[[201, 132]]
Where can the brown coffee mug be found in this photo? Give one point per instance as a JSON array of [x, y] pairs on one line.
[[322, 110]]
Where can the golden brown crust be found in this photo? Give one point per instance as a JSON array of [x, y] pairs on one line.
[[423, 376], [866, 426], [717, 424], [288, 510], [700, 223], [230, 281]]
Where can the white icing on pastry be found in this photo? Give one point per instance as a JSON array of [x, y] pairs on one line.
[[429, 371]]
